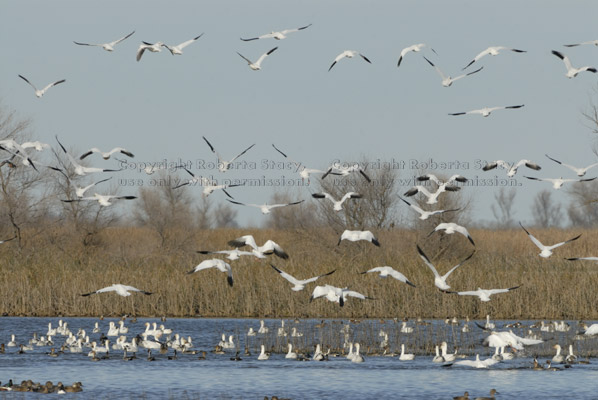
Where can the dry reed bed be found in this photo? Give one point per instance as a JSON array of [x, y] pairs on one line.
[[47, 277]]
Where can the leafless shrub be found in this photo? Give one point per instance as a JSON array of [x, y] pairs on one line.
[[546, 211]]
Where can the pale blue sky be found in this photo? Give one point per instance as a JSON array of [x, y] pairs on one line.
[[161, 106]]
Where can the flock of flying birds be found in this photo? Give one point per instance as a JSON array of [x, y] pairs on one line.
[[332, 293]]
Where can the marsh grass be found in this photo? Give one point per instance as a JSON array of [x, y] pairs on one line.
[[47, 276]]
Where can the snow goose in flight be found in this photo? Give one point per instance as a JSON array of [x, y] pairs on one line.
[[594, 42], [209, 186], [557, 183], [338, 169], [440, 281], [106, 155], [215, 263], [279, 35], [335, 294], [40, 93], [572, 71], [389, 271], [484, 294], [303, 171], [299, 284], [106, 46], [493, 51], [266, 208], [486, 111], [121, 290], [511, 168], [154, 48], [338, 204], [432, 197], [448, 80], [579, 171], [80, 169], [546, 251], [267, 248], [80, 191], [178, 49], [103, 199], [355, 236], [413, 47], [224, 165], [256, 66], [348, 54], [17, 150], [451, 227], [230, 254], [37, 145], [426, 214]]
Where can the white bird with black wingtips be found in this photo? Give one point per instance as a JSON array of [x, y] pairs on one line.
[[580, 171], [338, 204], [215, 263], [106, 155], [178, 49], [558, 183], [104, 200], [451, 227], [208, 185], [355, 236], [121, 290], [40, 92], [424, 215], [80, 169], [414, 47], [278, 35], [345, 170], [486, 111], [546, 251], [299, 284], [259, 251], [336, 294], [348, 54], [107, 46], [448, 80], [387, 271], [153, 47], [493, 51], [440, 281], [484, 294], [266, 208], [432, 197], [256, 66], [303, 171], [511, 168], [571, 70], [224, 165]]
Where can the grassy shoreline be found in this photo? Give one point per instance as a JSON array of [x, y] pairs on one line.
[[47, 276]]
